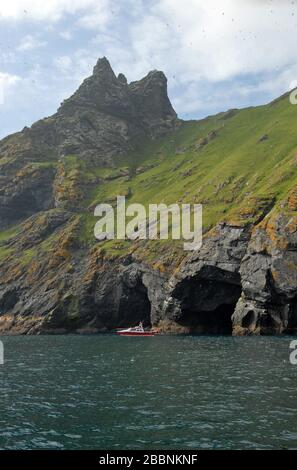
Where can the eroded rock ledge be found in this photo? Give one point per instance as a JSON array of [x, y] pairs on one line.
[[269, 279]]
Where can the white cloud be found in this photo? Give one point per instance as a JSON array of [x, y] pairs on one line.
[[51, 10], [211, 42], [63, 63], [67, 35], [216, 40], [30, 42], [98, 16], [6, 82]]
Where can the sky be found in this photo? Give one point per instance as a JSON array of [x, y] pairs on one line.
[[217, 55]]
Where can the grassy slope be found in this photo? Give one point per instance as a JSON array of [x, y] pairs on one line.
[[235, 176]]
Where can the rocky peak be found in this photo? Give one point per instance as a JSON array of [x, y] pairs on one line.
[[102, 90], [151, 99], [103, 70], [122, 79], [154, 79], [105, 118], [106, 115]]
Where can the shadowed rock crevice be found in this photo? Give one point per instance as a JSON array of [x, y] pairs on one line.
[[118, 297], [206, 306], [135, 306], [26, 195], [8, 299]]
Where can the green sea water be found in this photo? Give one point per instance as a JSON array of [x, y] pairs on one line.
[[109, 392]]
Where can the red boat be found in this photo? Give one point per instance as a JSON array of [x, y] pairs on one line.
[[136, 331]]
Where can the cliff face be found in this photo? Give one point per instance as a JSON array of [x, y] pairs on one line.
[[203, 294], [50, 279], [113, 138], [269, 280]]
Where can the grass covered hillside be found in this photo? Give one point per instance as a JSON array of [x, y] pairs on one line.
[[241, 165]]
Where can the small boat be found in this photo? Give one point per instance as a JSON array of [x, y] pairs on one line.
[[136, 331]]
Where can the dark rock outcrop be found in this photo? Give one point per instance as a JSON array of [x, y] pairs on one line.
[[30, 191], [268, 304], [91, 295], [203, 293]]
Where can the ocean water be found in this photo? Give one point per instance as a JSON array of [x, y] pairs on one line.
[[109, 392]]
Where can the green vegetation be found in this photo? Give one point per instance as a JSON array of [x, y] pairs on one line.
[[6, 235], [27, 256], [240, 165], [5, 251]]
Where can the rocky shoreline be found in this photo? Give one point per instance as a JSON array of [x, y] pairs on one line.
[[241, 282]]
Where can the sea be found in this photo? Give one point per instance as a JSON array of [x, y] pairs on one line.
[[164, 392]]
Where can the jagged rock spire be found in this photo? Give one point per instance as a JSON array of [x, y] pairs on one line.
[[103, 69], [106, 114]]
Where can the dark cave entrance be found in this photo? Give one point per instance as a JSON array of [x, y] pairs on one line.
[[135, 306], [215, 322], [207, 305]]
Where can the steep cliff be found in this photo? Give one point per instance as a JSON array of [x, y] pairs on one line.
[[114, 138]]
